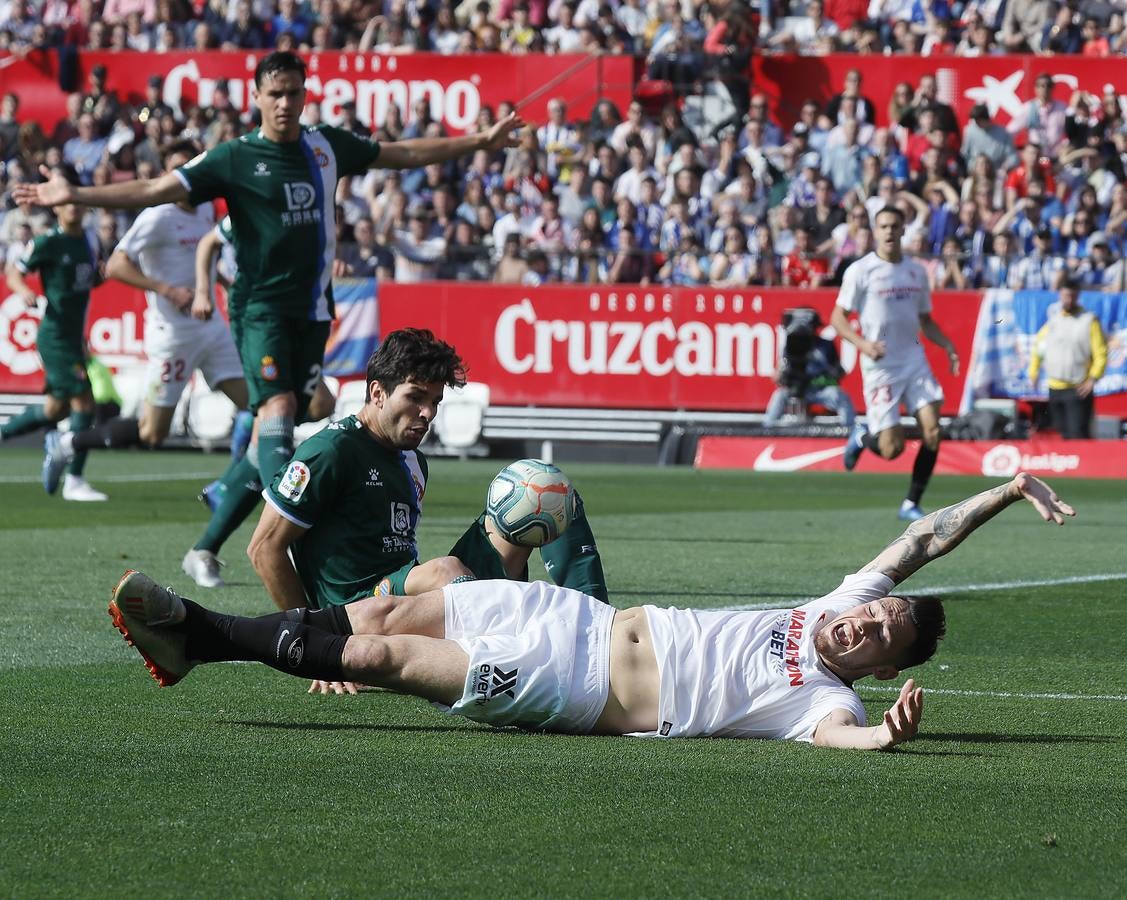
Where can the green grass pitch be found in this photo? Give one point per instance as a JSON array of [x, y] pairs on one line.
[[237, 784]]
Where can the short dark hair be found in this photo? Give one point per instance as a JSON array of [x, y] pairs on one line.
[[894, 210], [183, 145], [276, 62], [926, 613], [414, 354]]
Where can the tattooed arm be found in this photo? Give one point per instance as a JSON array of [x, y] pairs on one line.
[[943, 530]]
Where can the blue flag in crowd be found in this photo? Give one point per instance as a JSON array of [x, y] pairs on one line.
[[356, 332]]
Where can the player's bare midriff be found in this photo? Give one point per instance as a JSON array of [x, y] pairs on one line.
[[634, 677]]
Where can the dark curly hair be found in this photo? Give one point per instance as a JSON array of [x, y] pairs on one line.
[[414, 354]]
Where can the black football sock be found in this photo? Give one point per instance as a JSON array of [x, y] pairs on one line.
[[921, 472], [281, 640], [869, 442], [114, 433]]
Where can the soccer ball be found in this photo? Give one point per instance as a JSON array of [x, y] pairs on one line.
[[531, 502]]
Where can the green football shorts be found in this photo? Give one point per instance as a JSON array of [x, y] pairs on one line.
[[280, 355]]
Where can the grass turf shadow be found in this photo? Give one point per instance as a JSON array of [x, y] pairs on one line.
[[983, 738]]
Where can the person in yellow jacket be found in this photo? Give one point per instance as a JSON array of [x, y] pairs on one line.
[[1073, 352]]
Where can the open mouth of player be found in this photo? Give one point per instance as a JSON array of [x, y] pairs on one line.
[[843, 635]]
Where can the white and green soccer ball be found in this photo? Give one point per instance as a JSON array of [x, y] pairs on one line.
[[531, 502]]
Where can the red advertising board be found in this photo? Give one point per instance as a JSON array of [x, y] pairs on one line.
[[996, 459], [642, 348], [1003, 83], [115, 332], [457, 86]]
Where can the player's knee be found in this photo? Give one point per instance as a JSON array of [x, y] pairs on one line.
[[931, 438], [892, 448], [370, 616], [368, 655]]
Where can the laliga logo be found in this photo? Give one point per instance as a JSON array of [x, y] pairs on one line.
[[1002, 461], [18, 327]]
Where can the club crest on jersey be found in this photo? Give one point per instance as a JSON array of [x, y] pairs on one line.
[[269, 368], [322, 157], [294, 480], [400, 518]]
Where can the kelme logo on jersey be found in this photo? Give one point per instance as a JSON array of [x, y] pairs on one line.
[[261, 169], [269, 368], [294, 480]]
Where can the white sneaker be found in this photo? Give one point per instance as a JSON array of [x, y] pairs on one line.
[[75, 487], [203, 568]]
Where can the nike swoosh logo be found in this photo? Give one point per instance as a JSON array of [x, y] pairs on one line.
[[766, 461]]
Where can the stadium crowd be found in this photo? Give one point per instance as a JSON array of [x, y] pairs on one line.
[[653, 193]]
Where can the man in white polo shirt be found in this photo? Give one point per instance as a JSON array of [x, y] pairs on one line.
[[547, 658]]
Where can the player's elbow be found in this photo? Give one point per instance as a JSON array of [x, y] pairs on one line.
[[115, 265]]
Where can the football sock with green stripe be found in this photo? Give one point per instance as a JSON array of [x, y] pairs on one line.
[[79, 422], [572, 560], [283, 641], [275, 446], [244, 490], [31, 419]]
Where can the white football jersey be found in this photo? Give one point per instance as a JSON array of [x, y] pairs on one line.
[[888, 298], [162, 243], [753, 674]]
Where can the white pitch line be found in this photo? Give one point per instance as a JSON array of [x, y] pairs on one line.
[[965, 588], [119, 479], [1002, 695]]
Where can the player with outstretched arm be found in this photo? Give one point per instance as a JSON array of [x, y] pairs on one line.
[[548, 658]]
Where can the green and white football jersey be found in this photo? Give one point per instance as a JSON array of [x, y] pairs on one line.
[[281, 200]]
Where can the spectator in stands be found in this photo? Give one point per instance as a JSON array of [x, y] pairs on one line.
[[512, 266], [549, 232], [927, 96], [1073, 351], [994, 271], [1042, 117], [801, 267], [87, 150], [559, 140], [1023, 25], [9, 126], [845, 236], [417, 253], [982, 136], [863, 109], [629, 264], [729, 46], [1062, 34], [843, 161], [862, 245], [1039, 270], [820, 220], [731, 265], [629, 183], [948, 272], [635, 128], [811, 35], [1032, 164], [563, 36], [362, 256], [466, 259], [687, 265]]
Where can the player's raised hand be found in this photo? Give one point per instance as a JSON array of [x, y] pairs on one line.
[[1043, 498], [902, 720], [504, 132], [55, 191], [333, 687]]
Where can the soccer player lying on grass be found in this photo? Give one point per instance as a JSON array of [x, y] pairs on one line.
[[548, 658], [341, 517]]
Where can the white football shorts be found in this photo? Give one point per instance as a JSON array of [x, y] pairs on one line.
[[539, 654], [176, 351], [885, 391]]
